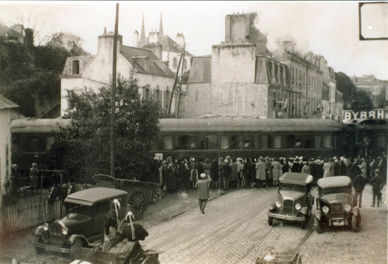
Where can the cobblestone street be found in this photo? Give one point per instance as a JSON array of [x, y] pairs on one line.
[[235, 230]]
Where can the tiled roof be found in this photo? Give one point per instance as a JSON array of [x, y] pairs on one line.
[[6, 103], [200, 71], [145, 61]]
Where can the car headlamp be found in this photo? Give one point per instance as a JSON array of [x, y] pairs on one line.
[[278, 204], [347, 208], [64, 231], [269, 258], [45, 227], [298, 206], [325, 209]]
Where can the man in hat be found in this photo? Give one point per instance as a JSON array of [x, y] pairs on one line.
[[203, 185]]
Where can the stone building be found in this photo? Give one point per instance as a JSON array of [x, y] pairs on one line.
[[332, 99], [163, 46], [94, 71], [239, 78]]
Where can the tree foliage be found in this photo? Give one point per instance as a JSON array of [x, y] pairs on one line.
[[354, 98], [84, 149], [29, 75]]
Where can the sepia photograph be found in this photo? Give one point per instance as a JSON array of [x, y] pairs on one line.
[[193, 132]]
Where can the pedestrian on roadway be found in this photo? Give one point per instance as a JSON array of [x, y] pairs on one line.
[[203, 185]]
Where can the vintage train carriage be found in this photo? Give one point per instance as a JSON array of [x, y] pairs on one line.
[[31, 139], [211, 138]]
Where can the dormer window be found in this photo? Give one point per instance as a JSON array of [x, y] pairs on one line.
[[75, 67]]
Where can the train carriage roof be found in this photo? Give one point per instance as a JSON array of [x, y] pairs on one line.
[[38, 125], [248, 125]]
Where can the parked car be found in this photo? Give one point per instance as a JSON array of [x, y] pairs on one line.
[[294, 201], [336, 204], [87, 213]]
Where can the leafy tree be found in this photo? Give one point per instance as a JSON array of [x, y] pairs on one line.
[[29, 75], [83, 148], [380, 99], [354, 98]]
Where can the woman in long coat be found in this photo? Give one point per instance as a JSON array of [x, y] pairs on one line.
[[326, 169], [276, 171], [260, 172]]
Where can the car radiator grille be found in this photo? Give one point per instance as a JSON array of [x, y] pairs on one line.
[[288, 206], [336, 210], [56, 240]]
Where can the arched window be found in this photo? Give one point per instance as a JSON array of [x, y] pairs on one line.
[[175, 62]]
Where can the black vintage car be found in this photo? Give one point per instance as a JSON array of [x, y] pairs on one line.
[[336, 204], [87, 213], [294, 199]]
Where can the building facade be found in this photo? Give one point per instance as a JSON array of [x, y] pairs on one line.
[[239, 79], [155, 79]]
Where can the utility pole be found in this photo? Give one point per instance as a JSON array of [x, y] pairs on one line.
[[113, 99]]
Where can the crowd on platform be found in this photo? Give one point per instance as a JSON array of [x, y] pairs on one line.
[[230, 173]]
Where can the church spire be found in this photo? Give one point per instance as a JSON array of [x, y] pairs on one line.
[[142, 32], [161, 24]]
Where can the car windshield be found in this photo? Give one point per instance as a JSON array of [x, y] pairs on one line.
[[332, 190], [292, 187], [77, 211]]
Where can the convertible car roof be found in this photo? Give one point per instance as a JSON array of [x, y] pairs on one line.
[[93, 195], [296, 178], [334, 181]]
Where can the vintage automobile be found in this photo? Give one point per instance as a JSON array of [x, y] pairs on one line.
[[336, 204], [295, 201], [87, 213]]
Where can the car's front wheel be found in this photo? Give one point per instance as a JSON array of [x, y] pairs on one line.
[[75, 249], [270, 220], [38, 249], [356, 223]]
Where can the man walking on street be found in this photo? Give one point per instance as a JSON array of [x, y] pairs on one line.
[[203, 185]]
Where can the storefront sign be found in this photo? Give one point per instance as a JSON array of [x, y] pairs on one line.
[[372, 114]]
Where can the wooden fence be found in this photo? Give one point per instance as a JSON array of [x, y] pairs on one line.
[[29, 214]]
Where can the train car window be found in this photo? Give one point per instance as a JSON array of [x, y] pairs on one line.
[[203, 143], [248, 142], [168, 142], [187, 142], [49, 142], [290, 141], [258, 142], [208, 142], [224, 142], [36, 144], [318, 140], [275, 141], [309, 141], [327, 141], [234, 142]]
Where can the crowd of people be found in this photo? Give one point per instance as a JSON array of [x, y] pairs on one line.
[[230, 173]]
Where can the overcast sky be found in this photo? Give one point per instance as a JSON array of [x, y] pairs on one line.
[[326, 28]]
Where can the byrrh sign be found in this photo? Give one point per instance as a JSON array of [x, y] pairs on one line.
[[372, 114]]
